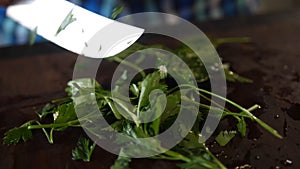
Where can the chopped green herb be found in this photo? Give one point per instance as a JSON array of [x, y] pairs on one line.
[[64, 113], [100, 48], [150, 83], [233, 77], [224, 137], [83, 150], [13, 136], [67, 21], [241, 126], [121, 162], [117, 11], [47, 109], [192, 154], [219, 41], [32, 36]]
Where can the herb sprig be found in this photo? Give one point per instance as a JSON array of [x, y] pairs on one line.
[[189, 151], [83, 150]]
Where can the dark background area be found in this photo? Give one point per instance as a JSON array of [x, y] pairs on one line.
[[11, 33], [33, 76]]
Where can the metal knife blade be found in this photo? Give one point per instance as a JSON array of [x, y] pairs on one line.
[[77, 26]]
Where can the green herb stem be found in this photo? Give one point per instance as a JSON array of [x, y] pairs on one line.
[[54, 125], [209, 107], [91, 151], [217, 104], [254, 107], [48, 136], [161, 157], [133, 66], [220, 41], [174, 155], [62, 100], [263, 124], [216, 160], [247, 112]]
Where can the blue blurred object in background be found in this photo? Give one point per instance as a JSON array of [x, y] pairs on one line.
[[12, 33]]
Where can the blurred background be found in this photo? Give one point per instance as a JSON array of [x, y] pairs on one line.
[[12, 33]]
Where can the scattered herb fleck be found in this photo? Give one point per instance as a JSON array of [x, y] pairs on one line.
[[32, 36], [224, 137], [100, 48], [116, 11], [67, 21]]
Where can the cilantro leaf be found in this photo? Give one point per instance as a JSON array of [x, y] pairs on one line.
[[224, 137], [134, 89], [83, 150], [113, 108], [157, 109], [144, 102], [151, 82], [122, 162], [191, 141], [172, 107], [13, 136], [47, 109], [66, 112]]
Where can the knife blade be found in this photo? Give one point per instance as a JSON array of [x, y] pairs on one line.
[[72, 27]]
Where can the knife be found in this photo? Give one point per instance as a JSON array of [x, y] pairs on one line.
[[72, 27]]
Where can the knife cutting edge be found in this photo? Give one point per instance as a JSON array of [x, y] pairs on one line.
[[73, 27]]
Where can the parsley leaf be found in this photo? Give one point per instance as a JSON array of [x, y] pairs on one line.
[[144, 102], [150, 83], [224, 137], [122, 162], [65, 113], [47, 109], [83, 150], [13, 136]]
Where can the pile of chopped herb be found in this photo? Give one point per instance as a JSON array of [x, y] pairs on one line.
[[191, 153]]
